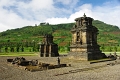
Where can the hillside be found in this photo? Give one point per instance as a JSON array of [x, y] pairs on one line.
[[25, 36]]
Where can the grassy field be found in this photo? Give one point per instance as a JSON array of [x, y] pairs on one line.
[[107, 53], [19, 54], [37, 53], [102, 52]]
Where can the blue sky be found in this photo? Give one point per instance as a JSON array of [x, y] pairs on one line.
[[95, 2], [20, 13]]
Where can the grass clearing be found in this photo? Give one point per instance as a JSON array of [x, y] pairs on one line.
[[19, 54], [36, 53], [107, 53]]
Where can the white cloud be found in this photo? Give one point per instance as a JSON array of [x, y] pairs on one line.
[[4, 27], [81, 10], [6, 2], [41, 4], [57, 20], [108, 13], [16, 13], [67, 2]]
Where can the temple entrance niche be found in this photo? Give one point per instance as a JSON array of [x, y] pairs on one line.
[[48, 48], [84, 40]]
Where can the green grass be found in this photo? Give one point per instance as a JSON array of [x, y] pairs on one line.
[[34, 54], [19, 54], [63, 53], [100, 60], [107, 53]]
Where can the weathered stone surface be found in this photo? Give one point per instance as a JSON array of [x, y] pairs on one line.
[[84, 40], [48, 48]]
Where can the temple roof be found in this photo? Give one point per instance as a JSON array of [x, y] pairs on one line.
[[84, 16]]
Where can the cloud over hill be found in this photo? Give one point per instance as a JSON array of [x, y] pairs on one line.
[[19, 13]]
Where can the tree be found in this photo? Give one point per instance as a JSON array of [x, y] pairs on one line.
[[22, 49], [11, 49], [6, 49]]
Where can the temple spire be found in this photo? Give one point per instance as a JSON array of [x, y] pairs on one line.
[[84, 15]]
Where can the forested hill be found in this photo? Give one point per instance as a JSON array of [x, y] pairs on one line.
[[108, 34]]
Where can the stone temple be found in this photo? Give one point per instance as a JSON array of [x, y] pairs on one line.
[[84, 40], [48, 48]]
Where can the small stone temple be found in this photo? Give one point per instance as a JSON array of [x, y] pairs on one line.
[[48, 48], [84, 40]]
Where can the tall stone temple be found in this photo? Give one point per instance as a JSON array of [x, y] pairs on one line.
[[48, 48], [84, 40]]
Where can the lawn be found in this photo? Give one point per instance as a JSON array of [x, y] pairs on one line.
[[107, 53], [37, 53], [19, 54]]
